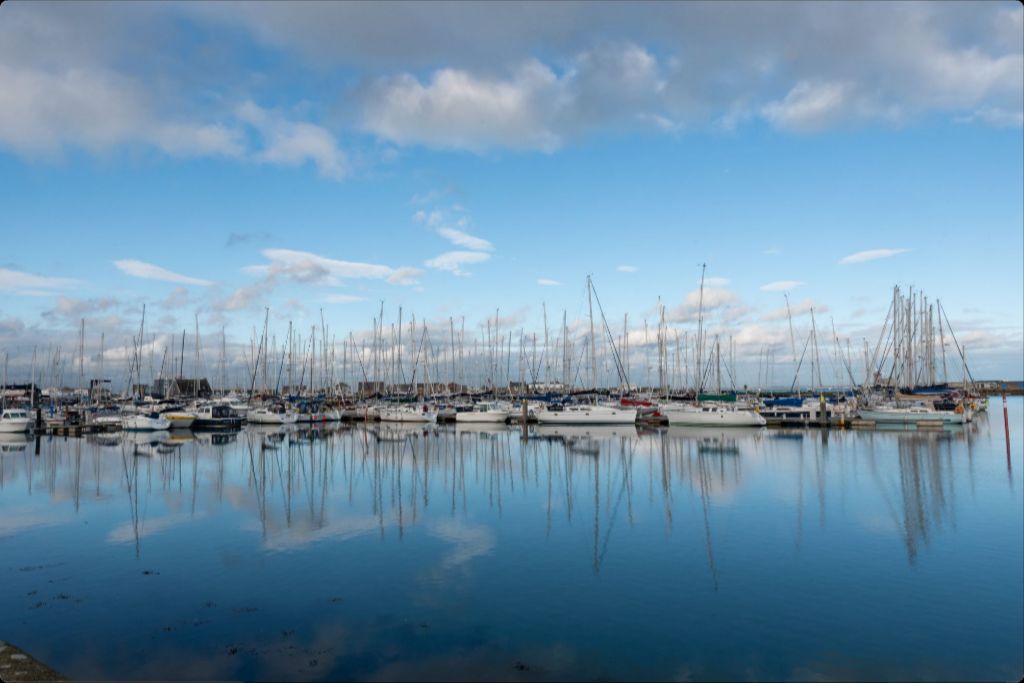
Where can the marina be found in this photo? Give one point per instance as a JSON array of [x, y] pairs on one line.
[[515, 341], [401, 550]]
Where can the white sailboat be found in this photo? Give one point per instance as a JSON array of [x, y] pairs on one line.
[[711, 414], [272, 415], [890, 414], [586, 415], [153, 422], [483, 412], [407, 413]]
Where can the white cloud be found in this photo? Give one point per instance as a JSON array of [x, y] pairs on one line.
[[148, 271], [713, 299], [453, 261], [545, 282], [773, 251], [716, 282], [41, 112], [796, 310], [405, 276], [871, 255], [343, 299], [462, 239], [626, 269], [456, 109], [308, 268], [781, 286], [293, 143], [809, 104], [19, 282]]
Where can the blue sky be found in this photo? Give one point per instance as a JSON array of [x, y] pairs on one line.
[[455, 159]]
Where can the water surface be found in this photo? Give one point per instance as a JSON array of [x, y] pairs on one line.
[[602, 553]]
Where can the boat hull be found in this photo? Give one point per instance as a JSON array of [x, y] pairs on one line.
[[697, 417]]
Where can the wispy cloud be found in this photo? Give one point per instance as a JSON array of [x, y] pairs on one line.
[[19, 282], [626, 269], [773, 251], [343, 298], [453, 261], [463, 239], [548, 283], [781, 286], [307, 268], [871, 255], [149, 271], [237, 238]]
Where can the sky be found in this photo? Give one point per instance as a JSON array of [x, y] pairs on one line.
[[468, 161]]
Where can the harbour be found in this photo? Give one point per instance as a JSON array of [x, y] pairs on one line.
[[414, 550]]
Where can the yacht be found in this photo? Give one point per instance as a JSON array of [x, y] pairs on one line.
[[890, 414], [276, 414], [14, 421], [407, 413], [718, 414], [143, 422], [586, 414], [482, 412]]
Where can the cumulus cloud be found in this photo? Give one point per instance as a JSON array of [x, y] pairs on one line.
[[713, 299], [871, 255], [460, 110], [796, 310], [781, 286], [293, 143], [452, 261], [149, 271], [68, 307]]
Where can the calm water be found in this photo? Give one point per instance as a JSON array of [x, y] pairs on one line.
[[447, 553]]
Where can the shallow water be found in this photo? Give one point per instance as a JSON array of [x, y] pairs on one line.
[[608, 553]]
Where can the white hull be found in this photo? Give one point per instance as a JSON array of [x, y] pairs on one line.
[[487, 417], [18, 425], [400, 415], [262, 416], [716, 416], [141, 423], [587, 415], [909, 417]]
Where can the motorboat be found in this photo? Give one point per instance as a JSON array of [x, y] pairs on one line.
[[216, 416], [15, 421]]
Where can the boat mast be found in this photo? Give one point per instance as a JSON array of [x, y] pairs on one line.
[[593, 350], [699, 384]]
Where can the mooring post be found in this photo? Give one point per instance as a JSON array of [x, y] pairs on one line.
[[822, 414], [524, 418]]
